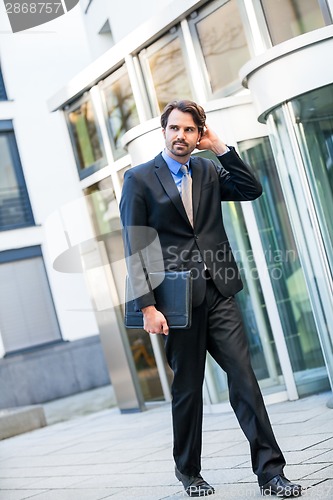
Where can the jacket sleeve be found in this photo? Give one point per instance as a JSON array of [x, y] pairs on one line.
[[139, 240], [237, 180]]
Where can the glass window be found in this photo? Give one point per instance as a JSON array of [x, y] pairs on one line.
[[27, 314], [285, 270], [289, 18], [165, 71], [3, 95], [103, 207], [121, 110], [84, 131], [104, 214], [223, 45], [15, 210]]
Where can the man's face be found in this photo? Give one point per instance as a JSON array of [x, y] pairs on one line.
[[181, 135]]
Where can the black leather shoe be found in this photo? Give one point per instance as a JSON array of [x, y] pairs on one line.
[[281, 487], [195, 486]]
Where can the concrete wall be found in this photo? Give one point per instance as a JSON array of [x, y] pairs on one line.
[[52, 372]]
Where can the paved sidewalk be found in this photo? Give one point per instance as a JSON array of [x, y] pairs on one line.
[[106, 455]]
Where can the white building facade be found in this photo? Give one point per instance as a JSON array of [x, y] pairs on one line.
[[261, 70], [39, 308]]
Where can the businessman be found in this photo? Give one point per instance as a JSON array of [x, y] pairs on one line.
[[179, 196]]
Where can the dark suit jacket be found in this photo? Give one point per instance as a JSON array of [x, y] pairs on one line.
[[150, 199]]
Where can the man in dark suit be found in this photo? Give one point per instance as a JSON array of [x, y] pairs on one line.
[[183, 205]]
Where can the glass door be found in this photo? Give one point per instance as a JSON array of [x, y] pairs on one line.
[[263, 352], [312, 117], [285, 271], [253, 308]]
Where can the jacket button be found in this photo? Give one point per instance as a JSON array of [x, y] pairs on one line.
[[196, 236]]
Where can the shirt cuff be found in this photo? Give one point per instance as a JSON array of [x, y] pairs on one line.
[[226, 151]]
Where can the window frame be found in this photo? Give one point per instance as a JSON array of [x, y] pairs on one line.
[[197, 16], [143, 58], [6, 128], [14, 254], [102, 162], [116, 74]]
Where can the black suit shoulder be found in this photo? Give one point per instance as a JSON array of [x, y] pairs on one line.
[[140, 170], [147, 167]]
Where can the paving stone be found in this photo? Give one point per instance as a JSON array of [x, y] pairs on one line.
[[108, 455], [6, 494]]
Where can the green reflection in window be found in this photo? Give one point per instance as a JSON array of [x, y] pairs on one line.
[[121, 109], [83, 128], [169, 75], [289, 18], [224, 45], [283, 262]]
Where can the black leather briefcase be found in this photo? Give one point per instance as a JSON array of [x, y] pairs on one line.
[[173, 295]]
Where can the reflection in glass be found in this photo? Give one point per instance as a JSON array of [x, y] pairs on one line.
[[121, 109], [168, 72], [289, 18], [104, 213], [285, 268], [224, 45], [15, 208], [313, 122], [83, 129]]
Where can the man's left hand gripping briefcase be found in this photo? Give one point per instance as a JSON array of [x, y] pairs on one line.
[[173, 295]]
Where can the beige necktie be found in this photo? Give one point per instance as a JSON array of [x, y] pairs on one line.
[[186, 188]]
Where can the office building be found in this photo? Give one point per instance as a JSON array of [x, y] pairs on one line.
[[261, 69]]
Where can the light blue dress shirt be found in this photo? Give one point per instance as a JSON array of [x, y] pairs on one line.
[[174, 167]]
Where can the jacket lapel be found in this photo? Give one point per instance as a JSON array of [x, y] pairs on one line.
[[166, 179]]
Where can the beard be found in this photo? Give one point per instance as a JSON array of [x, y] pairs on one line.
[[179, 148]]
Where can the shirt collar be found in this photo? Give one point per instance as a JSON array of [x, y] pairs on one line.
[[173, 165]]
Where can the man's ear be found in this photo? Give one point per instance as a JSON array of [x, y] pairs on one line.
[[163, 132]]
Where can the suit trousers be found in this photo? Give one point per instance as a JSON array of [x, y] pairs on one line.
[[217, 328]]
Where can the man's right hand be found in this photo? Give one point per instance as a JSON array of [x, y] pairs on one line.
[[154, 321]]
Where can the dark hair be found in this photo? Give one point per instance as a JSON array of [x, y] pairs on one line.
[[197, 112]]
